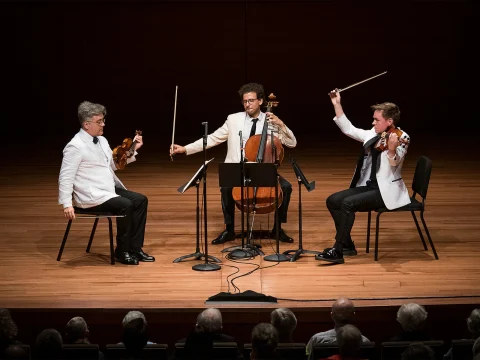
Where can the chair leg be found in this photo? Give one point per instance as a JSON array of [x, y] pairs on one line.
[[428, 235], [67, 230], [92, 234], [110, 231], [377, 229], [419, 231], [368, 231]]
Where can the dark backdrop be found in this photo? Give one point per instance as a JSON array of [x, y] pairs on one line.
[[129, 55]]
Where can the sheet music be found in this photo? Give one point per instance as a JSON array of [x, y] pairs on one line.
[[185, 187]]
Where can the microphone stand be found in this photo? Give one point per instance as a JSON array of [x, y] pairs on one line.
[[277, 256], [206, 266]]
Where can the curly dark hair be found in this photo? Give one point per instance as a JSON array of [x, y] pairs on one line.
[[252, 87], [389, 111]]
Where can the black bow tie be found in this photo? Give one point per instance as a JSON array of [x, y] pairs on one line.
[[95, 140]]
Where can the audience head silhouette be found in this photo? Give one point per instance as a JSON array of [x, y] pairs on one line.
[[135, 335], [49, 345], [209, 321], [343, 311], [264, 341], [473, 323], [8, 329], [285, 322], [349, 340], [412, 317], [418, 351], [76, 331]]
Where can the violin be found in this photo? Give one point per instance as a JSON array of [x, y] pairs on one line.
[[122, 152], [382, 143], [259, 148]]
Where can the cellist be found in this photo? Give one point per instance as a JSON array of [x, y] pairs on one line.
[[250, 122]]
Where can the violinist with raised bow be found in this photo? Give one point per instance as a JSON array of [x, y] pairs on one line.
[[377, 181], [250, 122]]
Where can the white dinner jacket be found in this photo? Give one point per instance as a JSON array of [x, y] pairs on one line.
[[389, 174], [89, 177], [229, 132]]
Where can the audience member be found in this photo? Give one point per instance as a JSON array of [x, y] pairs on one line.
[[208, 329], [76, 331], [285, 322], [49, 345], [413, 319], [349, 340], [418, 351], [343, 313], [473, 325], [264, 341], [476, 347], [135, 334], [8, 331]]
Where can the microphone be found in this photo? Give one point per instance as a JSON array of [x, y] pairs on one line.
[[241, 138], [205, 124]]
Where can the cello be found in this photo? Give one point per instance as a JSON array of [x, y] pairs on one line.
[[260, 148]]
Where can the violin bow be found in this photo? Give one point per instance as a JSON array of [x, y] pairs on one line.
[[174, 117], [360, 82]]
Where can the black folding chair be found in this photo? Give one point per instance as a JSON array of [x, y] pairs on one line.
[[85, 214], [420, 183]]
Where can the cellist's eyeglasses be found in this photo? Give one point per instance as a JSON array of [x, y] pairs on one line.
[[250, 101]]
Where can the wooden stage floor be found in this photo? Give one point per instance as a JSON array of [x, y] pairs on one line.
[[32, 228]]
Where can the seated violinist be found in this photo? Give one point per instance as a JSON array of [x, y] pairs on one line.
[[88, 173], [377, 181], [250, 122]]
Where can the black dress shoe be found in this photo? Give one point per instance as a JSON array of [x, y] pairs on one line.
[[332, 255], [140, 255], [125, 258], [283, 237], [347, 250], [224, 237]]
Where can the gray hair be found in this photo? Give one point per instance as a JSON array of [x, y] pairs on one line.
[[411, 316], [76, 329], [133, 315], [209, 321], [473, 322], [349, 340], [87, 109], [284, 320]]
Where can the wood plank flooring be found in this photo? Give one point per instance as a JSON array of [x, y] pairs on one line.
[[32, 228]]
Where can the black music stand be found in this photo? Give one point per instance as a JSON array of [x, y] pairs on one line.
[[195, 181], [256, 175], [309, 186]]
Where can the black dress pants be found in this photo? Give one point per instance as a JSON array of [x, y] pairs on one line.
[[344, 204], [130, 229], [228, 204]]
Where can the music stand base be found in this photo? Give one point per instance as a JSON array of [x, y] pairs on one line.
[[206, 267], [300, 252], [277, 258], [198, 256]]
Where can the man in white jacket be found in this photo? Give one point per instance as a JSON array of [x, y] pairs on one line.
[[377, 181], [87, 172], [250, 122]]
